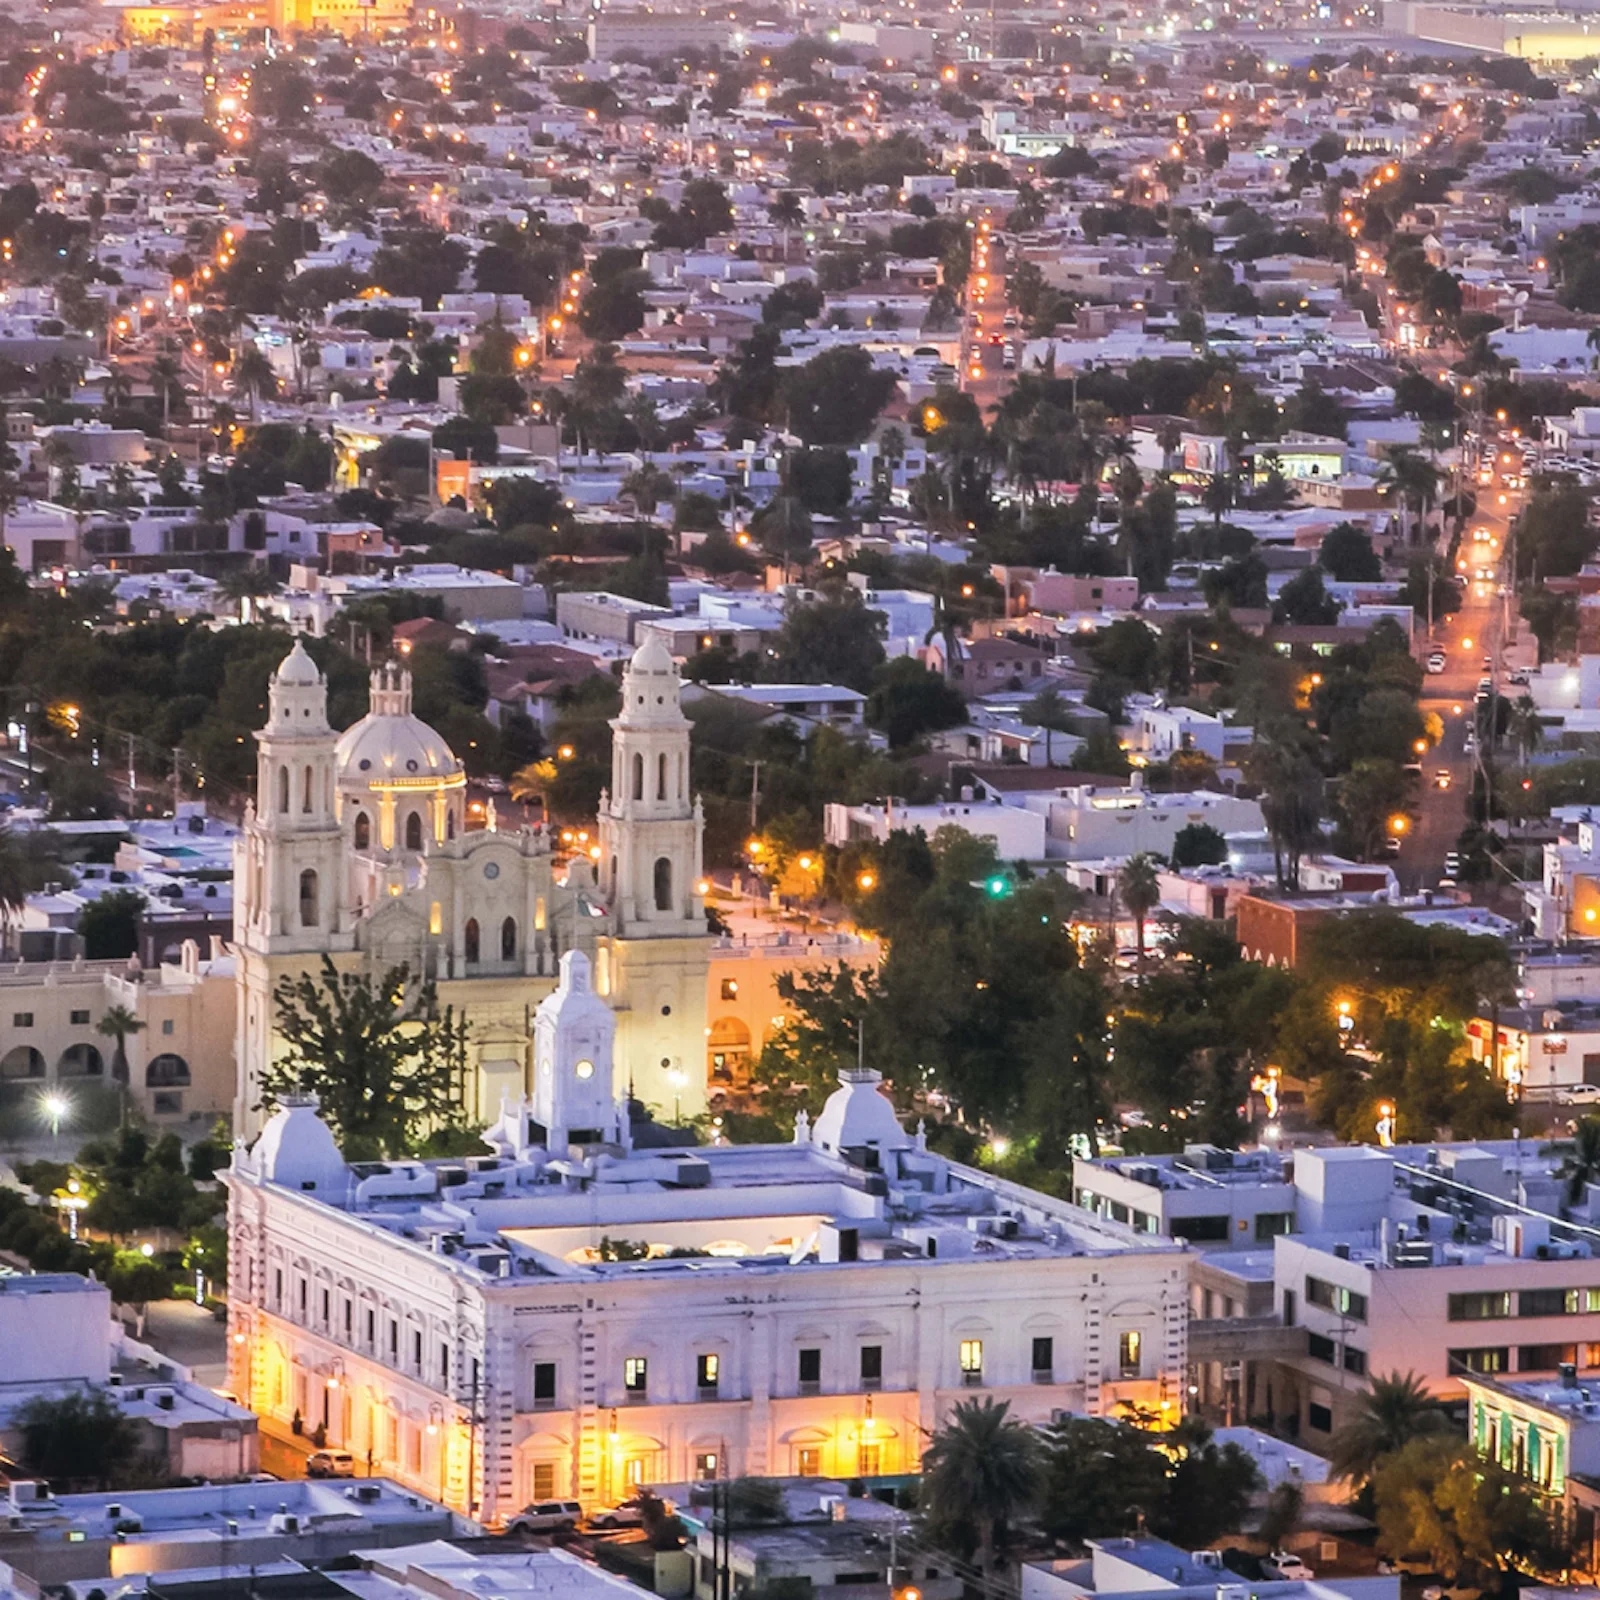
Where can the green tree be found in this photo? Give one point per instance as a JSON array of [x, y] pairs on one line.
[[1100, 1478], [1347, 556], [77, 1438], [135, 1280], [907, 701], [1304, 602], [980, 1473], [1198, 844], [835, 639], [109, 925], [835, 398], [1394, 1411], [1050, 711], [384, 1061], [1209, 1489]]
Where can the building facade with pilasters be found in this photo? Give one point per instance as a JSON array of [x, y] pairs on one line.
[[570, 1317]]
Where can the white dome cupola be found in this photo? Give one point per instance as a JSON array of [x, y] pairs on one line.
[[574, 1098]]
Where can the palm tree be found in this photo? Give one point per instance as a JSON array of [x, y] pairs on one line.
[[1393, 1412], [1049, 711], [253, 375], [982, 1469], [245, 585], [117, 390], [119, 1023], [1218, 495], [166, 377], [530, 784], [1140, 884], [1170, 437], [1582, 1167]]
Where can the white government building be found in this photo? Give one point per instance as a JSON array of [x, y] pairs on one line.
[[568, 1316]]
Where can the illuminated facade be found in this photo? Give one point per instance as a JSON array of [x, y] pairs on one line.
[[181, 25], [568, 1316], [357, 849]]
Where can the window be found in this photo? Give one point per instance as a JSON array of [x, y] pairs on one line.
[[444, 1366], [663, 876], [21, 1019], [705, 1464], [1355, 1361], [972, 1362], [544, 1480], [469, 939], [363, 831], [708, 1369], [730, 988], [1319, 1417], [303, 1286], [1321, 1348], [1269, 1224], [1495, 1358], [1549, 1302], [810, 1371], [869, 1460], [1484, 1306], [1130, 1353], [508, 939], [636, 1375], [371, 1336], [277, 1287], [394, 1342], [283, 788], [327, 1308], [1044, 1360], [414, 831], [349, 1320], [308, 899], [305, 791], [1545, 1357], [1335, 1297], [872, 1366], [416, 1351], [544, 1386], [168, 1027], [80, 1019], [808, 1461], [638, 777], [1200, 1228], [661, 777]]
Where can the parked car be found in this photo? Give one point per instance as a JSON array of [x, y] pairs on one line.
[[1452, 863], [628, 1515], [1441, 778], [1581, 1093], [1436, 662], [330, 1464], [547, 1516], [1289, 1567]]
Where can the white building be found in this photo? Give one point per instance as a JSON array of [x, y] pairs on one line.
[[1017, 834], [570, 1317]]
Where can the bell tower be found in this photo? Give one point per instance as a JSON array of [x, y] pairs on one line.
[[649, 827], [574, 1099], [294, 881], [290, 906], [649, 866]]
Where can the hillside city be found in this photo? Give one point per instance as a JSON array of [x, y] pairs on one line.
[[711, 720]]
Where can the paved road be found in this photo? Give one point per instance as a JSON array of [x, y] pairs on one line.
[[191, 1336], [1473, 633]]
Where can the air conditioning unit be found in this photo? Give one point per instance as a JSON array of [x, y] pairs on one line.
[[283, 1522]]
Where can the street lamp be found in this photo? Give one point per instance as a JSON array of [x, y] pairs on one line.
[[56, 1108]]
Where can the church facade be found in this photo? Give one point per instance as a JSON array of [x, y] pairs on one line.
[[356, 850]]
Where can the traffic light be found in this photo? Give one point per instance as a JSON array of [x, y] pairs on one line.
[[998, 887]]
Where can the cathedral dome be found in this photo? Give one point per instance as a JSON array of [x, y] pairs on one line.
[[390, 745]]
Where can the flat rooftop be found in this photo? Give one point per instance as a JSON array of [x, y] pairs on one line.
[[728, 1210]]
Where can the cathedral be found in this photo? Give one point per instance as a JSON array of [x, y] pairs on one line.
[[356, 848]]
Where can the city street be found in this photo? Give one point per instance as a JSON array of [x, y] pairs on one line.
[[1473, 634]]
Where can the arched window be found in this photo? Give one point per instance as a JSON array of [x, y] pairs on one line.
[[283, 788], [363, 831], [663, 883], [638, 777], [167, 1071], [469, 939], [308, 898], [305, 791], [508, 939], [661, 777], [680, 777], [414, 831]]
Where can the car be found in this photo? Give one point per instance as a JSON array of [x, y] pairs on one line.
[[547, 1516], [1586, 1093], [1289, 1567], [1469, 745], [1437, 661], [1485, 686], [997, 338], [1009, 320], [1452, 863], [630, 1514], [1391, 846], [1518, 678], [330, 1464], [1009, 360], [1441, 778], [1488, 664]]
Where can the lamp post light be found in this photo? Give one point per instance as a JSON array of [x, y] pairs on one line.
[[56, 1108]]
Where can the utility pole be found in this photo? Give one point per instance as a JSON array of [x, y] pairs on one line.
[[133, 773], [177, 779], [755, 792]]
